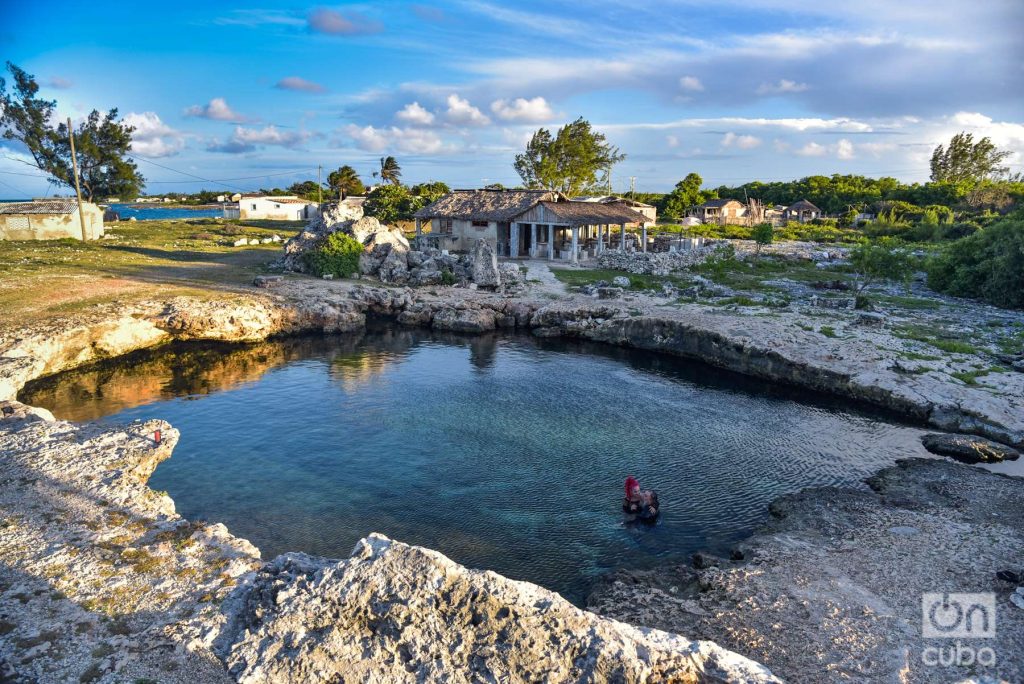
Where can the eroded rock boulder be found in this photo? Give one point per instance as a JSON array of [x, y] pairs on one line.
[[464, 320], [485, 266], [398, 613], [968, 448]]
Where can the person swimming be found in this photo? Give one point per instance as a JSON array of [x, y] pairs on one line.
[[640, 503]]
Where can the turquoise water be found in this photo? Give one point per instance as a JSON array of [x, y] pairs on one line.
[[503, 452], [158, 212]]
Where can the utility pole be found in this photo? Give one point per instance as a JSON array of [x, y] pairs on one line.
[[632, 187], [78, 190], [319, 188]]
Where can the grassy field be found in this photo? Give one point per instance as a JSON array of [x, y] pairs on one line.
[[40, 279]]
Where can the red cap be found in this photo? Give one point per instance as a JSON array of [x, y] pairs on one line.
[[631, 482]]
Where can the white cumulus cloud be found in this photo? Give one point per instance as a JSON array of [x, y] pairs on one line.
[[152, 137], [413, 113], [812, 149], [460, 111], [408, 140], [217, 109], [534, 110], [844, 149], [743, 142], [248, 139]]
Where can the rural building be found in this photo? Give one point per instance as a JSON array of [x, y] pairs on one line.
[[526, 223], [801, 211], [49, 220], [720, 211], [277, 208], [648, 210]]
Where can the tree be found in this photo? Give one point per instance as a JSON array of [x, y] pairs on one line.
[[431, 191], [389, 203], [762, 234], [881, 260], [345, 181], [686, 194], [988, 265], [390, 171], [575, 160], [102, 143], [966, 160]]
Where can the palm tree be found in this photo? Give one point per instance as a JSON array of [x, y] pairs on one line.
[[390, 171], [345, 181]]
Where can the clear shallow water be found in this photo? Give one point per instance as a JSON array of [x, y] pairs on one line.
[[503, 452]]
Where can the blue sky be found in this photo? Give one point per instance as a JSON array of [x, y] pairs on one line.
[[254, 95]]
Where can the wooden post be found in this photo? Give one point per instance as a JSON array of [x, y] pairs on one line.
[[419, 232], [78, 190], [533, 240], [551, 241], [513, 240]]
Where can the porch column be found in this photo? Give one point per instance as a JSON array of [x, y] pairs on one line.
[[622, 244], [575, 243], [600, 238], [533, 240], [419, 232], [513, 240], [645, 236], [551, 242]]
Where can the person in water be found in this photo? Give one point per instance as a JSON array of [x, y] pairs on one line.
[[637, 502]]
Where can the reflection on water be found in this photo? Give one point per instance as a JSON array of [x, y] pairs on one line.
[[503, 452]]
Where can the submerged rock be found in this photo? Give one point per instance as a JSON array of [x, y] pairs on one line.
[[968, 448], [398, 613]]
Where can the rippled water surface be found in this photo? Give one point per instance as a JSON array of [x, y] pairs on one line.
[[503, 452]]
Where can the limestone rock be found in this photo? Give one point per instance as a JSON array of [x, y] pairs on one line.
[[464, 320], [621, 281], [485, 266], [968, 448], [394, 270], [398, 613]]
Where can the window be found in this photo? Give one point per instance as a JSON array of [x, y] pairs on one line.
[[479, 224], [444, 226], [253, 206]]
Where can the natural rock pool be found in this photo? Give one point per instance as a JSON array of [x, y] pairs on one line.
[[503, 452]]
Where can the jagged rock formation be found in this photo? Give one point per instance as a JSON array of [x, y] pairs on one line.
[[398, 613], [485, 266], [968, 448]]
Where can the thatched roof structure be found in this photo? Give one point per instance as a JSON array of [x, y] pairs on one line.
[[59, 206], [591, 213], [484, 205], [802, 205]]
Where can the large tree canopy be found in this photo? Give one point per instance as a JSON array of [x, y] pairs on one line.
[[966, 160], [686, 194], [577, 159], [101, 142]]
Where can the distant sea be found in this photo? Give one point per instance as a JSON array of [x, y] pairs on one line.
[[157, 212]]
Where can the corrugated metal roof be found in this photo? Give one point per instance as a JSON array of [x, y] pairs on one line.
[[44, 207]]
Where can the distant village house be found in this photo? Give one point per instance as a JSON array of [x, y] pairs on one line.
[[802, 212], [720, 211], [49, 220], [275, 208]]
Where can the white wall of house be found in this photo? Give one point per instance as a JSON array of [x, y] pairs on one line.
[[273, 208], [52, 226]]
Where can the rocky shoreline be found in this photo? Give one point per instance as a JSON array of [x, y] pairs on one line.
[[126, 583]]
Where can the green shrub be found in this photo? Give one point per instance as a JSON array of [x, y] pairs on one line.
[[988, 265], [447, 277], [880, 261], [338, 255], [762, 234]]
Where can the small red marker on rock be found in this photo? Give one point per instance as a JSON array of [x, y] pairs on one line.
[[156, 436]]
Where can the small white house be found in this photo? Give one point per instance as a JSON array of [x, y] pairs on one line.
[[49, 220], [277, 208]]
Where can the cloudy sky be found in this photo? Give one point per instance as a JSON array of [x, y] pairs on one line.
[[252, 95]]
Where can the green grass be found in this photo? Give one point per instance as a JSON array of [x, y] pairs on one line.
[[751, 275], [828, 331], [936, 337], [970, 377], [917, 356], [913, 303]]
